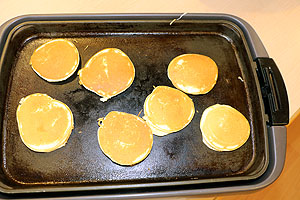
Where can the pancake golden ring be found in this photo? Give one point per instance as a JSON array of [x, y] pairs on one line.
[[193, 73], [168, 110], [45, 124], [224, 128], [125, 138], [107, 73], [56, 60]]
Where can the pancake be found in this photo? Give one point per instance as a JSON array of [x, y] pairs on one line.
[[224, 128], [107, 73], [168, 110], [193, 73], [45, 124], [56, 60], [125, 138]]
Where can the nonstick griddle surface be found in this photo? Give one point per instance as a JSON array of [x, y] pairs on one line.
[[180, 156]]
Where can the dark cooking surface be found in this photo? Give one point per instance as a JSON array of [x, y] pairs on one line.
[[150, 46]]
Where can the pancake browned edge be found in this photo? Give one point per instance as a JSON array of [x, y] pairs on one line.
[[224, 128], [124, 138], [193, 73], [48, 60], [168, 110], [45, 124], [107, 73]]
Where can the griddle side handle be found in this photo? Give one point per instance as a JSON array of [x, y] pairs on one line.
[[273, 91]]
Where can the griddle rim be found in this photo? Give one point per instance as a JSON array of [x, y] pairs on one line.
[[256, 48]]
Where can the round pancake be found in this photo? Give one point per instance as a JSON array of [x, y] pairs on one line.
[[193, 73], [168, 110], [45, 124], [125, 138], [107, 73], [56, 60], [224, 128]]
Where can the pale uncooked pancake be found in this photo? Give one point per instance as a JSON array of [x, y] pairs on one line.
[[168, 110], [125, 138], [193, 73], [224, 128], [45, 124], [56, 60], [107, 73]]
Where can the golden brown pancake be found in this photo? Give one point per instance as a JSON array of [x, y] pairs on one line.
[[193, 73], [45, 124], [224, 128], [125, 138], [168, 110], [108, 73], [56, 60]]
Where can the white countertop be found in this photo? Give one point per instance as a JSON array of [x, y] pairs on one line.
[[275, 21]]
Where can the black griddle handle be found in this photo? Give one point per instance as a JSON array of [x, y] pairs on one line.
[[273, 91]]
